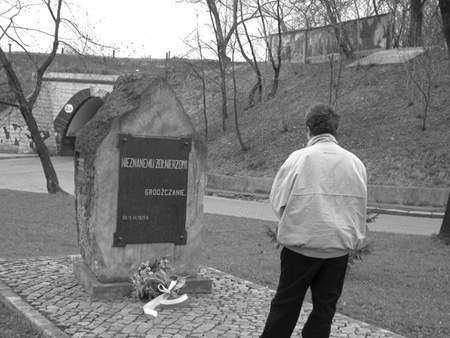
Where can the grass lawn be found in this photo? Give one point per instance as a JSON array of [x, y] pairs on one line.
[[403, 285], [12, 327]]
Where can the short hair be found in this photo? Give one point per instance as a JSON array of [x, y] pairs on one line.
[[321, 119]]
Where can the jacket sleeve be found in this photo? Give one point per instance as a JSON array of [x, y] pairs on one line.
[[282, 187], [364, 228]]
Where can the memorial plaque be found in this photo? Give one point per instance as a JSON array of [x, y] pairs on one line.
[[153, 175]]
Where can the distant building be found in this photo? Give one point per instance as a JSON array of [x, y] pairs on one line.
[[314, 44]]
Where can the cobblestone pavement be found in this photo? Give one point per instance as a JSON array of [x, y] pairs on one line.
[[236, 308]]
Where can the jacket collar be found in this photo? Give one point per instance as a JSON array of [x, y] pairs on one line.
[[321, 138]]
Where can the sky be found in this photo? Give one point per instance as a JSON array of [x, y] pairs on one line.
[[135, 28], [143, 27]]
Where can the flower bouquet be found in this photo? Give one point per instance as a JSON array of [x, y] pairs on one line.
[[155, 282]]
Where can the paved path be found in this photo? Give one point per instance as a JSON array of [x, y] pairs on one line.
[[26, 174], [236, 308], [383, 223]]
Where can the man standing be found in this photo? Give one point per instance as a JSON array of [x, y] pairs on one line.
[[320, 196]]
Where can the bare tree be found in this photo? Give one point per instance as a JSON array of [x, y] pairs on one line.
[[253, 62], [375, 7], [223, 35], [335, 79], [274, 60], [18, 98], [235, 103], [415, 22], [356, 6], [307, 14], [201, 76], [334, 17], [199, 72], [394, 39], [421, 73], [444, 5]]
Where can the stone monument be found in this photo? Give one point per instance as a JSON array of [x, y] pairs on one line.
[[139, 184]]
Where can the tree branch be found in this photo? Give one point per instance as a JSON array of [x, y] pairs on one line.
[[9, 104], [13, 80], [41, 70], [49, 7]]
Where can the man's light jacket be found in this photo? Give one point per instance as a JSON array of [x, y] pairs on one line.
[[320, 197]]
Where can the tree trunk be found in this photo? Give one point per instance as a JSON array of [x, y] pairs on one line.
[[49, 171], [393, 20], [222, 39], [252, 62], [415, 23], [445, 227], [223, 89], [257, 88], [445, 13], [339, 30], [275, 83], [238, 132], [204, 104], [202, 78], [305, 44], [276, 65], [375, 8], [331, 82]]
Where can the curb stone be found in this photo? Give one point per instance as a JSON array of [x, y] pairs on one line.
[[33, 318], [387, 210], [410, 213], [4, 156], [391, 197]]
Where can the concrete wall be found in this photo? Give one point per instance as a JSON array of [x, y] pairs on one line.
[[314, 44], [14, 134], [57, 89], [435, 198]]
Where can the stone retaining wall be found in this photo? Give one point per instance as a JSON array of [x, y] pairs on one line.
[[392, 195]]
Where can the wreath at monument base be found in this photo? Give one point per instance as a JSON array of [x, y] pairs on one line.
[[151, 278], [155, 281]]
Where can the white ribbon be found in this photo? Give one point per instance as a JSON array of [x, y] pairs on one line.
[[162, 299]]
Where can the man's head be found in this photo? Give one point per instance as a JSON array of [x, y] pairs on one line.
[[321, 119]]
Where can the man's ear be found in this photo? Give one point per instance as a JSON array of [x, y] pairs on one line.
[[308, 133]]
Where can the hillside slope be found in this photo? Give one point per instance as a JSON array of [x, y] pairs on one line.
[[379, 110], [380, 122]]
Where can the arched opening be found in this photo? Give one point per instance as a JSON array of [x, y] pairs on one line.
[[79, 118], [72, 117]]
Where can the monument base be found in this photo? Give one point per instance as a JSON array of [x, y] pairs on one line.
[[99, 290]]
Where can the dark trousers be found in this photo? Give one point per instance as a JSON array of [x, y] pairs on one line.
[[325, 277]]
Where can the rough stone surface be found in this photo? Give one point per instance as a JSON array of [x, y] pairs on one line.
[[236, 308], [97, 289], [140, 106]]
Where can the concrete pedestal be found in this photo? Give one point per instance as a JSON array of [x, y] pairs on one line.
[[110, 291], [97, 289]]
